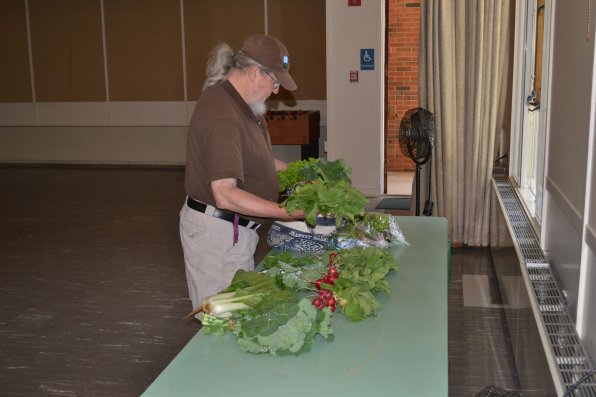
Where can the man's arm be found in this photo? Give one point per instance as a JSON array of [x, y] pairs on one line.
[[280, 165], [229, 197]]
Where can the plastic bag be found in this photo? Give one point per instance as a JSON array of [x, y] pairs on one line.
[[299, 237], [374, 229]]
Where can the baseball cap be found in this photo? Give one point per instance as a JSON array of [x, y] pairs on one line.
[[272, 53]]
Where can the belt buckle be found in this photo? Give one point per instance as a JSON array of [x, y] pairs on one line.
[[253, 225]]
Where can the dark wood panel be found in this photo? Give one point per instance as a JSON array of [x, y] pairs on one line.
[[209, 22], [67, 48], [15, 75], [300, 25], [144, 47]]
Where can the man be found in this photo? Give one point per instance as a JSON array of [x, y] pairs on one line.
[[231, 180]]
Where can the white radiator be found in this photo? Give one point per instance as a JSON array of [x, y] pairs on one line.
[[546, 347]]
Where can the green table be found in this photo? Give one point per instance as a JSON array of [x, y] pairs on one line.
[[401, 352]]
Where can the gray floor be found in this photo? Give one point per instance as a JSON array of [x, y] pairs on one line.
[[479, 351], [93, 292]]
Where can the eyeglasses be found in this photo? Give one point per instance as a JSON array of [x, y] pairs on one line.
[[276, 84]]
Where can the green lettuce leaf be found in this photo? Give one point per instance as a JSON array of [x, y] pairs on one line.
[[293, 335]]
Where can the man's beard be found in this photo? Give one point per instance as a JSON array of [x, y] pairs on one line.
[[259, 108]]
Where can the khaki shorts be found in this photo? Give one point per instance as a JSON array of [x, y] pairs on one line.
[[210, 256]]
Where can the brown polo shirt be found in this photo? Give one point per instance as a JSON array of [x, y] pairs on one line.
[[226, 140]]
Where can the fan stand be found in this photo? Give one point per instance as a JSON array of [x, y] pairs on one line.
[[428, 205], [427, 210], [417, 176]]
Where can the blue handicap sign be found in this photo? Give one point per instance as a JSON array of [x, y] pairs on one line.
[[367, 59]]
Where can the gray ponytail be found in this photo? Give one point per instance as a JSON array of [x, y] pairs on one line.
[[221, 62]]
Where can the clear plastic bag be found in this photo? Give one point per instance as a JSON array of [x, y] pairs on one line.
[[374, 229]]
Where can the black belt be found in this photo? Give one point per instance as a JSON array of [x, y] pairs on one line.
[[221, 214]]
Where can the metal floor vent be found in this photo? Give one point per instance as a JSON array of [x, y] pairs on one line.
[[566, 349]]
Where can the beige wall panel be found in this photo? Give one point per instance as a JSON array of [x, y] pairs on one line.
[[208, 22], [300, 25], [15, 75], [66, 42], [144, 50]]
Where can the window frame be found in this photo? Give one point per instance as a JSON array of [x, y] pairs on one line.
[[526, 148]]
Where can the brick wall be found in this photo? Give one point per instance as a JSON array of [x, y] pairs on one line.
[[403, 34]]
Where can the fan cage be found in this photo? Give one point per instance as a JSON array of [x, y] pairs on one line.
[[416, 135]]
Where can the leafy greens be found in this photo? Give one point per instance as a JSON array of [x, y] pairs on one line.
[[277, 322], [320, 187], [363, 274]]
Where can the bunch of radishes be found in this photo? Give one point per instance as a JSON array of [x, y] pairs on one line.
[[325, 297]]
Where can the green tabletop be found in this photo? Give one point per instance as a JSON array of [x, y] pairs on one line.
[[400, 352]]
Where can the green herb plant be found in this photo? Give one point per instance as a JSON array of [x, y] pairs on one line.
[[282, 308], [319, 187], [292, 174], [263, 317], [361, 275]]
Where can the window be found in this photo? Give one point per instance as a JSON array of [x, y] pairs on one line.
[[530, 101]]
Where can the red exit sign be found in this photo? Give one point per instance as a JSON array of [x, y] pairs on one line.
[[354, 3]]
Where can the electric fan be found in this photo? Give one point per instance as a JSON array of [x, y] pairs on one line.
[[416, 138]]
